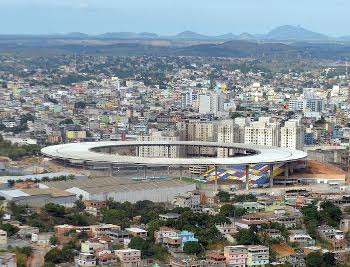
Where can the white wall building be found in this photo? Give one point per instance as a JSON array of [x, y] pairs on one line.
[[262, 132], [292, 135]]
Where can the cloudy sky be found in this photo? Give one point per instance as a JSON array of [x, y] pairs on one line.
[[168, 17]]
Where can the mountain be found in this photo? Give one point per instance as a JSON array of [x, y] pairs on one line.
[[246, 36], [191, 35], [227, 36], [127, 35], [76, 35], [240, 49], [293, 33]]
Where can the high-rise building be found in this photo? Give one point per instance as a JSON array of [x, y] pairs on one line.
[[262, 132], [212, 102], [228, 132], [205, 131], [159, 151], [292, 135]]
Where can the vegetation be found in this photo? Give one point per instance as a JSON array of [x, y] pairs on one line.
[[15, 151], [317, 260], [192, 248], [247, 237], [43, 179], [329, 214], [56, 255]]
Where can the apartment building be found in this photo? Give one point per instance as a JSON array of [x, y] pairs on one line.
[[292, 135], [257, 256], [236, 256], [263, 132]]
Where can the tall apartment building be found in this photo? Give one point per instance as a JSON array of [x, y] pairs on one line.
[[292, 135], [159, 151], [262, 132], [205, 131], [228, 132], [212, 102]]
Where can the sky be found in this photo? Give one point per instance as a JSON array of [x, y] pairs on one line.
[[169, 17]]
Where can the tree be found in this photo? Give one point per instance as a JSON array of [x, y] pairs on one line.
[[223, 196], [116, 216], [329, 259], [54, 210], [141, 244], [229, 210], [54, 255], [192, 247], [247, 237], [330, 213], [314, 260], [9, 228], [79, 203], [53, 240]]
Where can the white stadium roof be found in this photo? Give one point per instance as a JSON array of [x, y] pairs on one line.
[[84, 153]]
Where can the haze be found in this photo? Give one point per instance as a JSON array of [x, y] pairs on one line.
[[167, 17]]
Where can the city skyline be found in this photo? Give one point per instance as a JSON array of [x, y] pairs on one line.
[[170, 17]]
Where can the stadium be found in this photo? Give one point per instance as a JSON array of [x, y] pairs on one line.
[[249, 164]]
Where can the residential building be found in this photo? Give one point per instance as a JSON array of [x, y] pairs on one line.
[[257, 256], [129, 257], [236, 256], [292, 135], [262, 132]]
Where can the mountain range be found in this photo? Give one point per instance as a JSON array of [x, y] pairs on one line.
[[286, 33]]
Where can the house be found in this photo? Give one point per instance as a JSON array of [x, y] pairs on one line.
[[164, 233], [94, 207], [250, 219], [173, 238], [185, 263], [226, 228], [273, 234], [3, 238], [8, 259], [187, 236], [301, 238], [335, 237], [27, 231], [41, 238], [192, 200], [92, 244], [235, 255], [289, 221], [250, 207], [215, 259], [107, 259], [257, 256], [137, 232], [86, 259], [169, 216], [297, 260], [345, 224], [129, 257], [117, 236]]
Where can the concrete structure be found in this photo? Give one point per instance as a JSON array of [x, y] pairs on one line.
[[8, 259], [101, 189], [263, 132], [98, 154], [85, 153], [292, 135], [257, 256], [228, 132], [129, 257], [38, 197], [3, 238], [236, 256]]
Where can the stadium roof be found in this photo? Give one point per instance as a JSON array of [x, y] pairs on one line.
[[86, 153]]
